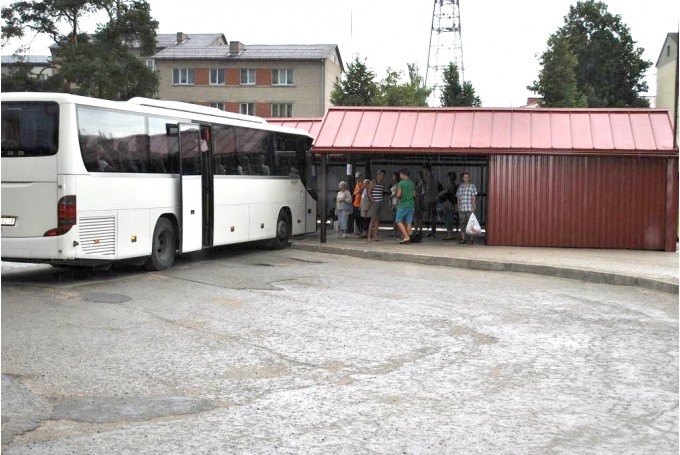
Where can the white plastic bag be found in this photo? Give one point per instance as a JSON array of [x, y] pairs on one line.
[[473, 227]]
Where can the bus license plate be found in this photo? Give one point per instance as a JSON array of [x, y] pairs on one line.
[[9, 221]]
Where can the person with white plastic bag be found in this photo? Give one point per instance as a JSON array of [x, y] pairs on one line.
[[473, 228], [466, 196]]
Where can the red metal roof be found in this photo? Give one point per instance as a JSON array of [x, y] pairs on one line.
[[311, 125], [496, 131]]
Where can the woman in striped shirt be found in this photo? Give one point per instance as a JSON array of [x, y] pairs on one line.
[[376, 193]]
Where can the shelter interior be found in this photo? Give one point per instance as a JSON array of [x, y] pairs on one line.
[[344, 167]]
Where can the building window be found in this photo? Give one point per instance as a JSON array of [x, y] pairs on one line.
[[668, 51], [183, 76], [216, 76], [151, 64], [217, 104], [282, 110], [247, 108], [282, 77], [247, 77]]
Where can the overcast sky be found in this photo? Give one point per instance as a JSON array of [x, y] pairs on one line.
[[500, 38]]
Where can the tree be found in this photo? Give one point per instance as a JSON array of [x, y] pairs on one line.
[[104, 67], [411, 93], [101, 64], [357, 88], [558, 78], [608, 68], [456, 94], [47, 17]]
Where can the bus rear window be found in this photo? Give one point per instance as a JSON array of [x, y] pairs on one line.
[[30, 129]]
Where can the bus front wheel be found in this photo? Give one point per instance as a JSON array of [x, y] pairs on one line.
[[163, 246], [282, 231]]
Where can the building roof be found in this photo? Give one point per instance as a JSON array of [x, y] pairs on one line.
[[249, 52], [669, 36], [164, 40], [287, 52], [484, 131], [32, 59], [194, 40], [310, 125], [533, 101]]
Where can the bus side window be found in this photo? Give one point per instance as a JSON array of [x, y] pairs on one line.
[[225, 150], [254, 151], [288, 156], [133, 154], [220, 167], [114, 131], [163, 145], [105, 162], [89, 156]]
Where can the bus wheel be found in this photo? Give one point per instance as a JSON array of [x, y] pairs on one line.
[[282, 232], [163, 246]]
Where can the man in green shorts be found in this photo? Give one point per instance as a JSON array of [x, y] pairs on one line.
[[406, 206]]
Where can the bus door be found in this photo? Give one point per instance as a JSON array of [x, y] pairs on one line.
[[207, 184], [191, 184], [311, 195]]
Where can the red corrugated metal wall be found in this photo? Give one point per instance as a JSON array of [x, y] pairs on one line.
[[578, 201]]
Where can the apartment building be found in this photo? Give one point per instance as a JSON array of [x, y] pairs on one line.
[[41, 65], [264, 80], [666, 75]]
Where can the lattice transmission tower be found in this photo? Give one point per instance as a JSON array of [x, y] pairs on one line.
[[446, 45]]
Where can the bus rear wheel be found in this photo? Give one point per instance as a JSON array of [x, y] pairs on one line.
[[282, 231], [163, 246]]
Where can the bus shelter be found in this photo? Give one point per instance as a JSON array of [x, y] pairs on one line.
[[589, 178]]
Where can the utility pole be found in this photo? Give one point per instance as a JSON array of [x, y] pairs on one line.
[[446, 46]]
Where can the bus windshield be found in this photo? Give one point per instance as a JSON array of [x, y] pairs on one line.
[[29, 129]]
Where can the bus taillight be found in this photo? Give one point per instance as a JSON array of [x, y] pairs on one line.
[[66, 211]]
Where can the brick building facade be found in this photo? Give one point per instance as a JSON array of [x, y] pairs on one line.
[[262, 80]]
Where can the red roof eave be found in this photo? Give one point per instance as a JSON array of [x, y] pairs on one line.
[[484, 131], [486, 151]]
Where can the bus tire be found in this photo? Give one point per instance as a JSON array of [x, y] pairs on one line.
[[282, 232], [163, 246]]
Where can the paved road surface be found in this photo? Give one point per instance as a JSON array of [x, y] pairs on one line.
[[295, 352]]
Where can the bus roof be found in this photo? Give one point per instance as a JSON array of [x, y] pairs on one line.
[[157, 107], [194, 109]]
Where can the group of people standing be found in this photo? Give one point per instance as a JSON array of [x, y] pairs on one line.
[[365, 204], [412, 203]]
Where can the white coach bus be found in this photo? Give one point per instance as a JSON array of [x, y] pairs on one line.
[[89, 182]]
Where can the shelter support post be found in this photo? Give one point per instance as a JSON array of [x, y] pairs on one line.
[[671, 234], [323, 190]]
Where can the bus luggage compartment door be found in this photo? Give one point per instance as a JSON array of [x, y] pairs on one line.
[[192, 195]]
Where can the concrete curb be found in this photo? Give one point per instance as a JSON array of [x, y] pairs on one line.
[[498, 266]]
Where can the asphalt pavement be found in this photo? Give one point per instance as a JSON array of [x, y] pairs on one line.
[[288, 352], [658, 270]]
